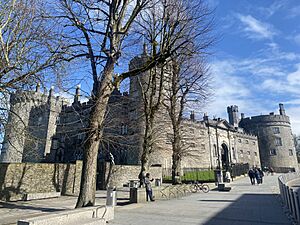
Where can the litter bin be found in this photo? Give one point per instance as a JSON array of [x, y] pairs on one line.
[[157, 182], [111, 196]]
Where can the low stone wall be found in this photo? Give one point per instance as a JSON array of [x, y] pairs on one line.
[[121, 174], [289, 185], [99, 215], [19, 179]]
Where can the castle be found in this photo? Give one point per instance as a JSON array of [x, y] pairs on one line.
[[43, 127]]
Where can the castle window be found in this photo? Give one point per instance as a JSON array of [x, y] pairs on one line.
[[39, 122], [124, 129], [273, 152], [80, 136], [58, 120], [276, 130], [242, 153], [278, 142], [215, 151], [202, 146], [54, 144], [239, 140], [291, 152], [248, 153], [233, 153], [255, 153], [253, 142], [247, 142]]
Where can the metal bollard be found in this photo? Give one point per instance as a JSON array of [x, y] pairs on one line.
[[111, 196], [158, 182]]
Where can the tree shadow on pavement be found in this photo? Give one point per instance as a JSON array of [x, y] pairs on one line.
[[27, 207], [249, 209]]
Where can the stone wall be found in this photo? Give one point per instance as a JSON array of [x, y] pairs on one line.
[[17, 179], [276, 142], [121, 174]]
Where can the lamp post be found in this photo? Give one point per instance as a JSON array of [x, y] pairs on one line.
[[220, 178]]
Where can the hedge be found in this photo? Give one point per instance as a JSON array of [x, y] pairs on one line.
[[203, 176]]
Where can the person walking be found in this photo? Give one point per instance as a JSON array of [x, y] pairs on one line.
[[257, 176], [261, 173], [149, 193], [251, 176]]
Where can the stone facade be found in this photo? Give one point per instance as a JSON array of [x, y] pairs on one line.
[[122, 174], [59, 133], [18, 179]]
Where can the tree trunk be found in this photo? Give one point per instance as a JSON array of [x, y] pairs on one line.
[[88, 178], [176, 160]]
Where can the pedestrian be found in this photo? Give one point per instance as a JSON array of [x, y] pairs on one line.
[[257, 176], [149, 193], [261, 173], [251, 176]]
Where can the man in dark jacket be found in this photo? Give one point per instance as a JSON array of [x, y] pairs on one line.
[[251, 175]]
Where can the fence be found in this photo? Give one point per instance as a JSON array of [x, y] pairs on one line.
[[239, 169], [290, 195]]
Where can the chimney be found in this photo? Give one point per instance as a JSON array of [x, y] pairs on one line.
[[281, 109], [50, 94], [77, 94], [37, 88], [192, 116], [242, 116], [145, 49], [205, 117]]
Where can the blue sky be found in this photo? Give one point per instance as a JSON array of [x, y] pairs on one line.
[[256, 62]]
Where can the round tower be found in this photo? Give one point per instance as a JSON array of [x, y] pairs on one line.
[[275, 139]]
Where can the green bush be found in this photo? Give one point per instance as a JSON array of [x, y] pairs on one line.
[[202, 176]]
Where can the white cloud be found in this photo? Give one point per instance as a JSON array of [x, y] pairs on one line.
[[256, 29], [273, 8], [297, 39]]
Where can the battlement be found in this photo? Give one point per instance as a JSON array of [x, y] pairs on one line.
[[266, 119]]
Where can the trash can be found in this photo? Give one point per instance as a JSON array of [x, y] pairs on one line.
[[157, 182], [111, 196]]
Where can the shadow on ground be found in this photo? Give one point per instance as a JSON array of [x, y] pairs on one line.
[[27, 207], [249, 209]]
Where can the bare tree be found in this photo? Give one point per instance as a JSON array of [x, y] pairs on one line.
[[97, 31], [185, 26], [28, 44], [30, 53], [188, 84]]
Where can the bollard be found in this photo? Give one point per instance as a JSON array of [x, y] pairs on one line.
[[111, 196], [158, 182]]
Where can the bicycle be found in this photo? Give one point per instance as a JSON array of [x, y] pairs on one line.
[[195, 187]]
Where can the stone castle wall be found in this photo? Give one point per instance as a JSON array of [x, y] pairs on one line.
[[17, 179], [276, 143], [121, 174]]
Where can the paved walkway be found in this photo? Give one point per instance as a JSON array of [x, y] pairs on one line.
[[243, 205]]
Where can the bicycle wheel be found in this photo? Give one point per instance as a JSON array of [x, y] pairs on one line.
[[194, 188], [205, 188]]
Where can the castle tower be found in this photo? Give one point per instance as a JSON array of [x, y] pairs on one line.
[[31, 125], [233, 115], [275, 139]]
